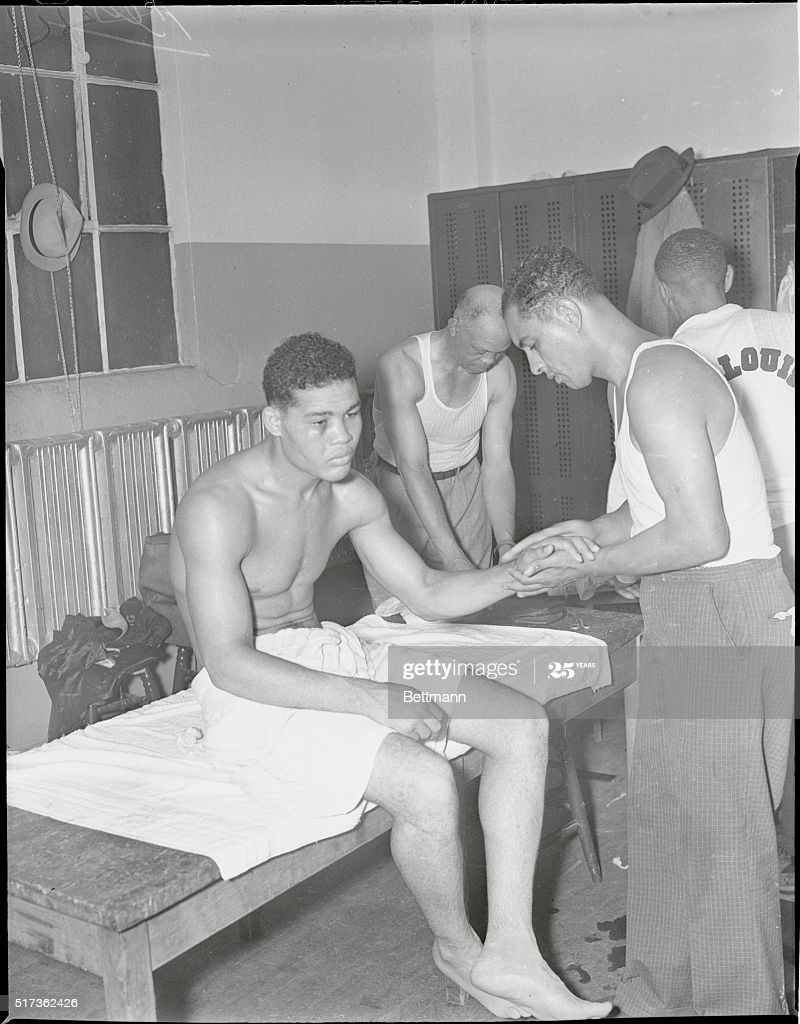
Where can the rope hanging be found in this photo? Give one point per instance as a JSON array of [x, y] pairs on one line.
[[77, 415]]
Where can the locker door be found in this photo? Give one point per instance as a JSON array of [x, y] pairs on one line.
[[607, 232], [533, 215], [465, 247], [561, 450], [730, 196], [782, 190]]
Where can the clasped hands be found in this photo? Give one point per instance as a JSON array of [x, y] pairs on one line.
[[551, 558]]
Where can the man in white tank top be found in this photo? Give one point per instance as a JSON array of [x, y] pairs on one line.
[[439, 398], [754, 348], [703, 922]]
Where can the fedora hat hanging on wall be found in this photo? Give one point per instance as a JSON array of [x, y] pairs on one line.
[[658, 176], [48, 241]]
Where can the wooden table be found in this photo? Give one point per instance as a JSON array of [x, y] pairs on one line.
[[121, 908], [619, 630]]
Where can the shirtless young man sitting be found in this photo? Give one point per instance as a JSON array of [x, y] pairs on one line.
[[251, 537]]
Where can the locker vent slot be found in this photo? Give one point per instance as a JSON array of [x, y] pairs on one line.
[[481, 247], [608, 236], [742, 243]]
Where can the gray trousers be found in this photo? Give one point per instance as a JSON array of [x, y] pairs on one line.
[[716, 688], [462, 497]]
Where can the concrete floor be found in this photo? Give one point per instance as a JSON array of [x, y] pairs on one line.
[[351, 944]]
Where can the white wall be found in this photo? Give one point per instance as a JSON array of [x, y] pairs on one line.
[[587, 87], [305, 124]]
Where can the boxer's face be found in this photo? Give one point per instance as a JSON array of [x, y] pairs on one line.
[[319, 433], [549, 346]]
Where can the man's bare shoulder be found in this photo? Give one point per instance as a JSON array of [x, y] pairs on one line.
[[360, 499], [673, 390], [401, 368], [502, 379], [220, 498], [677, 369]]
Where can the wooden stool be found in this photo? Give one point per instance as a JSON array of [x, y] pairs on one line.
[[577, 806]]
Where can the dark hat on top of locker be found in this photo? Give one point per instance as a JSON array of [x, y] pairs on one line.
[[49, 227], [658, 176]]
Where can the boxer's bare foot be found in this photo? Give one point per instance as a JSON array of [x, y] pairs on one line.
[[521, 976], [455, 964]]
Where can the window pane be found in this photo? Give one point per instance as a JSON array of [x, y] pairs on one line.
[[48, 28], [11, 353], [59, 117], [39, 327], [137, 284], [119, 41], [126, 140]]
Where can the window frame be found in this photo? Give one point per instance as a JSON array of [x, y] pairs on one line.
[[87, 202]]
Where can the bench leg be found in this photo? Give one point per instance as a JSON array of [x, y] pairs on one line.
[[578, 807], [128, 974]]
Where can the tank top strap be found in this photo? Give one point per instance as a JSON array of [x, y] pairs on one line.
[[483, 392], [424, 342]]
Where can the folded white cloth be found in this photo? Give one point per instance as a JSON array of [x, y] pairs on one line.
[[146, 775]]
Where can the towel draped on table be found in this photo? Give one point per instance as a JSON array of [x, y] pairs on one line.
[[167, 774]]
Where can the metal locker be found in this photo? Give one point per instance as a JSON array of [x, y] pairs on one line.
[[782, 189], [535, 213], [562, 447], [561, 460], [608, 228], [731, 199], [561, 450], [465, 246]]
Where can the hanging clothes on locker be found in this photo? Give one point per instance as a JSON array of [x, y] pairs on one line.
[[656, 183]]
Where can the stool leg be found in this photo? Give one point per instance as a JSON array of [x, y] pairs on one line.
[[183, 668], [578, 807], [152, 689]]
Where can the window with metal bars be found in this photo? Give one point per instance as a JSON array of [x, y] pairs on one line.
[[79, 106]]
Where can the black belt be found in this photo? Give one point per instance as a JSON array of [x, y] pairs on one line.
[[443, 474]]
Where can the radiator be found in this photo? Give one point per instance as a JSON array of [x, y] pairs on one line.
[[79, 508], [200, 441]]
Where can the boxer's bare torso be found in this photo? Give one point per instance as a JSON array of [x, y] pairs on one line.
[[282, 540]]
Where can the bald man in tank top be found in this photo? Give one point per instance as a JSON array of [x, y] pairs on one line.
[[440, 398], [715, 667]]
